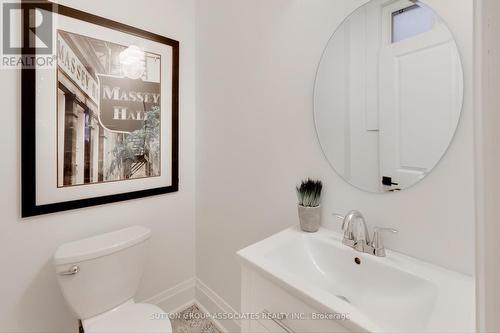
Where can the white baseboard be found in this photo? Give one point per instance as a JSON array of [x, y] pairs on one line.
[[218, 323], [176, 298], [211, 302], [194, 291]]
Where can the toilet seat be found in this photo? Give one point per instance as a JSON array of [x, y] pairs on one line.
[[130, 318]]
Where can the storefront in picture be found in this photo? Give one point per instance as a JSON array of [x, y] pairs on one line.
[[108, 104]]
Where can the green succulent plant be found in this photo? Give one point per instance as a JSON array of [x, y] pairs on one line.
[[309, 193]]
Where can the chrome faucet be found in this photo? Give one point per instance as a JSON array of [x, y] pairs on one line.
[[356, 234], [355, 231]]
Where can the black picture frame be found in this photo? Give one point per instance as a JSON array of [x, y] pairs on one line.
[[29, 205]]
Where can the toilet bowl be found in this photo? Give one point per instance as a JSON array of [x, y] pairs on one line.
[[99, 277]]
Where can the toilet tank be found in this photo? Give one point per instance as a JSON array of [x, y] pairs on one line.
[[99, 273]]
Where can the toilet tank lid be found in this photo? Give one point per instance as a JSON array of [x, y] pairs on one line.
[[100, 245]]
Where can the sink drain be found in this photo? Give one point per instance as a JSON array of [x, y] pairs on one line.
[[343, 298]]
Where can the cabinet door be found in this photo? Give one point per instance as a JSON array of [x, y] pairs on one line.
[[279, 311]]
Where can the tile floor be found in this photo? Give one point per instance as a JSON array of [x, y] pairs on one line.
[[192, 320]]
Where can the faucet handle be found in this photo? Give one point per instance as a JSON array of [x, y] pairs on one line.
[[340, 217], [378, 243], [347, 228], [379, 229]]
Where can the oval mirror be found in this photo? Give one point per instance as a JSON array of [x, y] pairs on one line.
[[388, 95]]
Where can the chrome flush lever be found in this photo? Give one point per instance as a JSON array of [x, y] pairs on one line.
[[72, 271]]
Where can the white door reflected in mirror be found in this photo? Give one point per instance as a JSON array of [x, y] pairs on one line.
[[388, 95]]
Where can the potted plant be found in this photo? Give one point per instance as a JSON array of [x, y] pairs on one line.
[[309, 195]]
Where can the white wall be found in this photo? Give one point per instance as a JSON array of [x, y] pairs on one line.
[[30, 300], [256, 63], [488, 161]]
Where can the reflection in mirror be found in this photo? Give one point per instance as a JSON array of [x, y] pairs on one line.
[[388, 95]]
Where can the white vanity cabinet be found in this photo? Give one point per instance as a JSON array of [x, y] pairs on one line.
[[313, 279], [277, 310]]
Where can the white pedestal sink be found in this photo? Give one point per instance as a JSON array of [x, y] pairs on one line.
[[317, 274]]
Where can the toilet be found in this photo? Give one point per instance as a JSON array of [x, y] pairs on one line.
[[99, 277]]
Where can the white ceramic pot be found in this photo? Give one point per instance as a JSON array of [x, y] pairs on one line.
[[310, 218]]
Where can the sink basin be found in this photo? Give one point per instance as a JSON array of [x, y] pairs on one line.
[[396, 293]]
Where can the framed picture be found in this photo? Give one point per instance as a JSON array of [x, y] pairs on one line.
[[101, 124]]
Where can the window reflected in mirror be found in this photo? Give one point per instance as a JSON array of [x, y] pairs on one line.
[[411, 21]]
